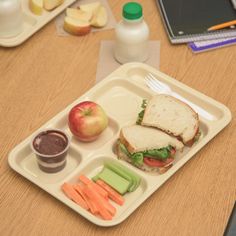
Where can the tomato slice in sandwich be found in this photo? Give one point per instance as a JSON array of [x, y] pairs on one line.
[[157, 163], [172, 152]]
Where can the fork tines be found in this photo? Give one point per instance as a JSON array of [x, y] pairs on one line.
[[154, 84]]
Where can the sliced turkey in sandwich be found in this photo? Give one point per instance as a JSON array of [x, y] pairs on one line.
[[172, 116], [147, 148]]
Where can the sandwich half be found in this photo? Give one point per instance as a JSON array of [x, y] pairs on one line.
[[147, 148], [172, 116]]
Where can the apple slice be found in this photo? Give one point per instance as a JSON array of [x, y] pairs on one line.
[[76, 26], [51, 4], [79, 14], [91, 7], [99, 17], [36, 6]]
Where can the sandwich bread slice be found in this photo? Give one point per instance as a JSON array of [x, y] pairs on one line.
[[147, 148], [172, 116]]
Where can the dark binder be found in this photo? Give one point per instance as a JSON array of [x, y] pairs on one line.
[[188, 20]]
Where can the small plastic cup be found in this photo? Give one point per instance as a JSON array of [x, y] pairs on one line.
[[51, 147]]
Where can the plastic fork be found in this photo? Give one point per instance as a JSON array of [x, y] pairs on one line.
[[159, 87]]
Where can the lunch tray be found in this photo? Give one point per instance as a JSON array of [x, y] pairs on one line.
[[120, 94], [32, 23]]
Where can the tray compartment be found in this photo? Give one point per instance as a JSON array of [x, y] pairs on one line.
[[179, 155], [121, 99], [29, 21], [95, 166], [32, 23], [110, 132], [26, 160], [45, 13]]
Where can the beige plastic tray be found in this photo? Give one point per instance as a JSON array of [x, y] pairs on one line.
[[32, 23], [120, 94]]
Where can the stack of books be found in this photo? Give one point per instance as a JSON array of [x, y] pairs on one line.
[[202, 24]]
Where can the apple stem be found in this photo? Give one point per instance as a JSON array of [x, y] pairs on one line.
[[85, 111]]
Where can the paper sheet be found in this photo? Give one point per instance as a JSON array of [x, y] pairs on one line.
[[59, 21], [108, 64]]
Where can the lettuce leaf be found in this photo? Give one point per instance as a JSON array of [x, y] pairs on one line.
[[162, 153], [124, 149], [141, 113], [137, 158]]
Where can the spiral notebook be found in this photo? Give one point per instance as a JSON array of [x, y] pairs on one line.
[[207, 45], [188, 20]]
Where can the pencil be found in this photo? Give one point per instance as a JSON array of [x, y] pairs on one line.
[[222, 26]]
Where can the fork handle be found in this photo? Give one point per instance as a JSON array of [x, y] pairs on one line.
[[198, 109]]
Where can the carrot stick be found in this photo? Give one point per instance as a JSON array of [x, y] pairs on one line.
[[99, 201], [105, 203], [113, 195], [73, 195], [100, 190], [80, 188]]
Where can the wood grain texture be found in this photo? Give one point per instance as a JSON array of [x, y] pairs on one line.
[[41, 77]]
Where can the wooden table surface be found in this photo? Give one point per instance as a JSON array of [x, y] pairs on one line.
[[45, 74]]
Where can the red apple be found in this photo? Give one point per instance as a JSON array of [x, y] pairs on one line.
[[87, 120]]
